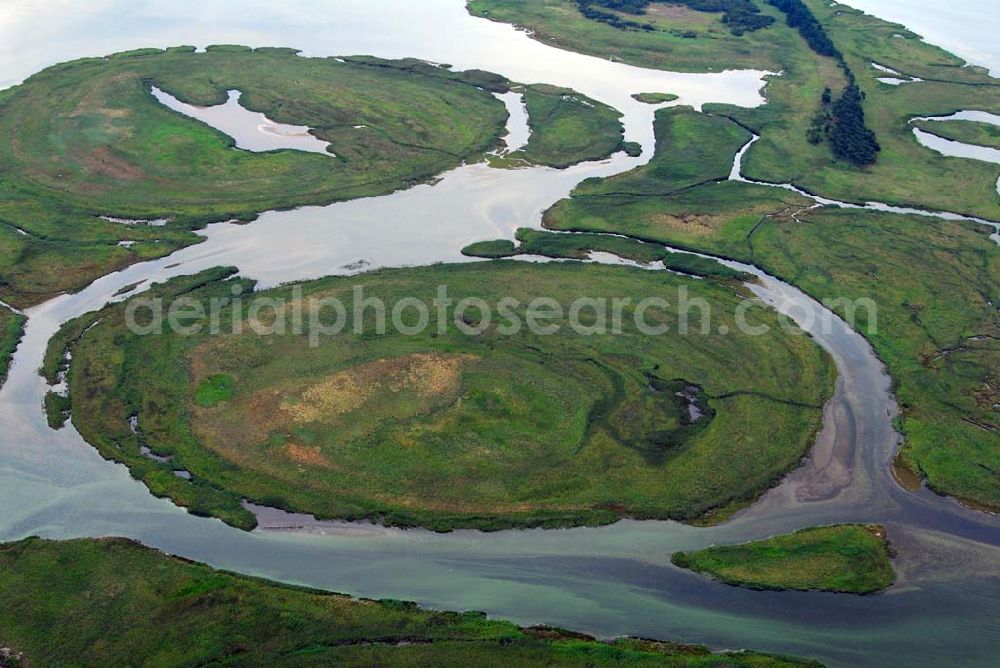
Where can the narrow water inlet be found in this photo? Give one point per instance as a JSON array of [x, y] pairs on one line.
[[518, 130], [251, 130], [957, 149], [736, 174]]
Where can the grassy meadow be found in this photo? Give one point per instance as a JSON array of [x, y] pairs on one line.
[[846, 558], [113, 602], [446, 429]]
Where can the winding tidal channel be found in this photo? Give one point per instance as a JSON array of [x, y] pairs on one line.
[[608, 581]]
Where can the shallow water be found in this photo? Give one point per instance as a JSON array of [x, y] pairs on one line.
[[251, 130], [968, 28], [957, 149], [518, 132], [610, 580]]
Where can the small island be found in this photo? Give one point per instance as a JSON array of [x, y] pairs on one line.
[[655, 98], [580, 246], [846, 558], [444, 429]]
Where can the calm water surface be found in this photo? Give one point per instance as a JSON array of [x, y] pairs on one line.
[[968, 28]]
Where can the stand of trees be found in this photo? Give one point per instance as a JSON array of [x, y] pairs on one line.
[[850, 138], [801, 17], [739, 15], [843, 121], [592, 10]]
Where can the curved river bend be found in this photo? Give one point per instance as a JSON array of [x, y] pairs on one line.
[[609, 580]]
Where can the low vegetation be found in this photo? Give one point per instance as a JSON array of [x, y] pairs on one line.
[[692, 149], [739, 16], [937, 329], [701, 266], [56, 410], [906, 173], [492, 249], [682, 39], [568, 246], [60, 598], [936, 284], [655, 98], [86, 139], [847, 558], [445, 429], [567, 128], [11, 330]]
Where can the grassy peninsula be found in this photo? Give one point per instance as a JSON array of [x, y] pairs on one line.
[[447, 429], [580, 246], [846, 558], [567, 128], [11, 329], [967, 132], [87, 139], [112, 602]]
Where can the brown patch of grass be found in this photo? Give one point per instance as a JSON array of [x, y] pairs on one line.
[[307, 456], [104, 162], [696, 225], [679, 16], [428, 374]]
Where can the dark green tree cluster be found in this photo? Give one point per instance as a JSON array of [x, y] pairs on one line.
[[801, 18], [592, 9], [850, 138], [843, 121], [739, 15]]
